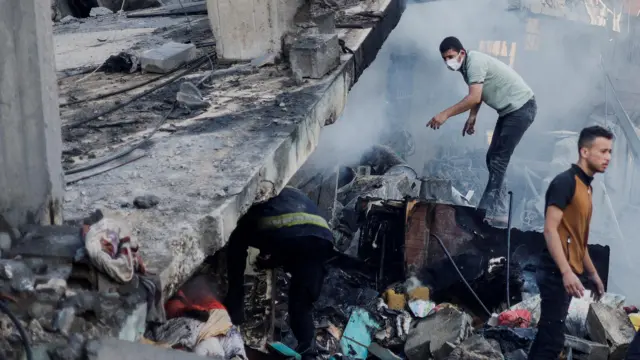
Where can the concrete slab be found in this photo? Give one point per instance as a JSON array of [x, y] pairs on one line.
[[110, 348], [167, 57], [207, 173]]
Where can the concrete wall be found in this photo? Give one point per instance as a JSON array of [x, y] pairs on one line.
[[247, 29], [30, 141]]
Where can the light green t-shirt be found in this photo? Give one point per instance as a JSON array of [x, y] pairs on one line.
[[503, 89]]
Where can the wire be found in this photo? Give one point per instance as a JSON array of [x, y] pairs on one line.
[[187, 15], [446, 252], [509, 249], [135, 98], [21, 331], [124, 152]]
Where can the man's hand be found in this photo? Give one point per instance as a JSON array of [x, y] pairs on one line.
[[437, 121], [599, 291], [572, 284], [469, 126]]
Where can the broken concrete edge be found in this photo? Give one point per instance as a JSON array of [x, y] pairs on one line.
[[111, 348], [280, 166]]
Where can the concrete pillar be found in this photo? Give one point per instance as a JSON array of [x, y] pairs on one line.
[[31, 178], [247, 29]]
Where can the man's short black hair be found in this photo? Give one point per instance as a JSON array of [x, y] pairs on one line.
[[589, 134], [450, 43]]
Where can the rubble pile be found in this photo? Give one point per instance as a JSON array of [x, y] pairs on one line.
[[54, 288], [418, 279], [389, 220]]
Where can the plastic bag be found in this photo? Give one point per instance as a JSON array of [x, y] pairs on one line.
[[520, 318], [421, 308]]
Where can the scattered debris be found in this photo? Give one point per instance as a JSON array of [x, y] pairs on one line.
[[421, 308], [477, 347], [100, 11], [395, 301], [437, 335], [190, 97], [590, 350], [146, 201], [358, 334], [68, 19], [515, 318], [123, 62]]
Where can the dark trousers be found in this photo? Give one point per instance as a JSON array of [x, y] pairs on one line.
[[507, 134], [305, 261], [554, 307], [634, 348]]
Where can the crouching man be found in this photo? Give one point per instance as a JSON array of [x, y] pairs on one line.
[[289, 232], [566, 231]]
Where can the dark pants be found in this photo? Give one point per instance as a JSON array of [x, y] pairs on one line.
[[634, 348], [507, 134], [554, 307], [305, 260]]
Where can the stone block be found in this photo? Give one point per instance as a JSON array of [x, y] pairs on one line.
[[167, 57], [314, 56], [428, 338], [110, 348], [585, 349], [612, 327]]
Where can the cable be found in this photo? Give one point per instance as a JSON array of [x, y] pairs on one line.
[[509, 248], [23, 333], [446, 252], [147, 92], [124, 152], [187, 15]]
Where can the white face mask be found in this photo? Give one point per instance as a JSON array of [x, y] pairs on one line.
[[453, 64]]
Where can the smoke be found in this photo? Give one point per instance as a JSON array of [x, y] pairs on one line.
[[408, 83]]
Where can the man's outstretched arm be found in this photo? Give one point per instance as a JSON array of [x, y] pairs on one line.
[[472, 102]]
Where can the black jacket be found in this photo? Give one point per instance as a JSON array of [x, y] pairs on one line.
[[272, 227]]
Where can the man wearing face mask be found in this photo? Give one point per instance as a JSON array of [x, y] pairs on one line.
[[496, 84]]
